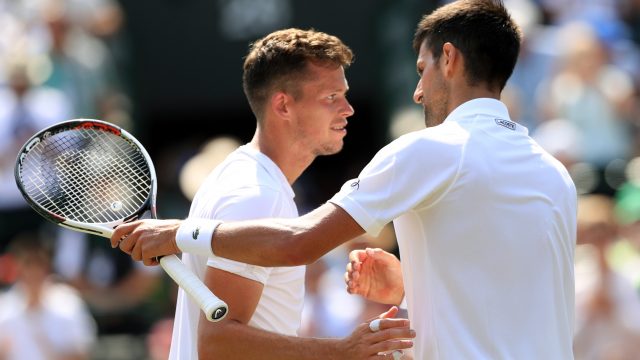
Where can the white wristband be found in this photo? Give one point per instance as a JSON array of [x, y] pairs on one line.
[[194, 236]]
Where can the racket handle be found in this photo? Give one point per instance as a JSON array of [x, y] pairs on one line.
[[214, 308]]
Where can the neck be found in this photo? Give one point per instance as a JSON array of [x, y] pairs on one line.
[[283, 151], [468, 93]]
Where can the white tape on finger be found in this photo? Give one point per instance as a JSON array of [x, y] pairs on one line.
[[397, 355], [375, 325]]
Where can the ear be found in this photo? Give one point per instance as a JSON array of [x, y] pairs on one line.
[[281, 104], [451, 59]]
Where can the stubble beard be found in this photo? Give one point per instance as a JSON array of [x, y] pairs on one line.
[[330, 149], [436, 112]]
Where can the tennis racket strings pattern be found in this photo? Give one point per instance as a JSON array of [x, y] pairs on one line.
[[85, 176], [90, 176]]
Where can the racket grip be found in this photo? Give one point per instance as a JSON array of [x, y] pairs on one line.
[[214, 308]]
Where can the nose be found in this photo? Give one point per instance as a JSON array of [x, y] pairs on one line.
[[417, 94], [347, 109]]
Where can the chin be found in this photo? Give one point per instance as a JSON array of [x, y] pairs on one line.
[[331, 150]]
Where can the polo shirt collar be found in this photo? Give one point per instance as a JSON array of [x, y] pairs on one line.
[[488, 107]]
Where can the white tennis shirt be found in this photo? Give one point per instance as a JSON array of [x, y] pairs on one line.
[[247, 185], [486, 224]]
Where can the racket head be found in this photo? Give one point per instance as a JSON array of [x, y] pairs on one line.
[[87, 175]]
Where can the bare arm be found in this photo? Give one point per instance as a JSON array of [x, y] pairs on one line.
[[267, 242], [286, 242], [232, 338]]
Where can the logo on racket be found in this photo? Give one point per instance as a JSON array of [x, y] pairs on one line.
[[195, 233], [219, 313], [116, 206]]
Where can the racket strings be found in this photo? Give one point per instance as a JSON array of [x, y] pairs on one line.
[[87, 175]]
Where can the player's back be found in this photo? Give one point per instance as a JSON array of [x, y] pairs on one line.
[[494, 273]]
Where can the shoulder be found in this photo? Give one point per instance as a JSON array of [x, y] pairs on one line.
[[442, 142]]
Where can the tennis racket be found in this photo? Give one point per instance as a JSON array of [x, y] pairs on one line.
[[90, 176]]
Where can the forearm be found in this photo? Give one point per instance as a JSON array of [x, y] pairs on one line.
[[265, 243], [236, 340], [285, 242]]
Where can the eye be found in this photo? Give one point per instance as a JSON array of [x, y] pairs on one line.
[[332, 97]]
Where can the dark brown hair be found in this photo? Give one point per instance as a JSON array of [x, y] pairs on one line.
[[482, 30]]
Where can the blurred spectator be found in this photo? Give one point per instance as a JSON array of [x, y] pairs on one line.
[[607, 305], [81, 65], [561, 139], [196, 169], [625, 253], [39, 317], [119, 292], [537, 56], [159, 339], [597, 98], [25, 108], [54, 67]]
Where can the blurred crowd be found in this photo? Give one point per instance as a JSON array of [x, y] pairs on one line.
[[576, 88]]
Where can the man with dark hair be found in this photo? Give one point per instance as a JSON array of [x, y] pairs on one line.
[[485, 218], [295, 83]]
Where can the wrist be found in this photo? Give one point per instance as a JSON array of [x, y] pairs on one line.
[[194, 236]]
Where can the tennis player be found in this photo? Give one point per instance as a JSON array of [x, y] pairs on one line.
[[295, 83], [485, 218]]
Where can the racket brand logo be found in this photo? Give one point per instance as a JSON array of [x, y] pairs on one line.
[[356, 185], [90, 125], [116, 205], [195, 233], [219, 313]]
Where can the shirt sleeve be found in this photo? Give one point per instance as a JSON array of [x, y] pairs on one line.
[[247, 204], [411, 173]]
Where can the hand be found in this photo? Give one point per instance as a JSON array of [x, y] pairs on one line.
[[364, 343], [147, 240], [376, 275]]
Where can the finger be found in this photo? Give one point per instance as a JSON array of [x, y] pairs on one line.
[[391, 345], [148, 261], [125, 245], [355, 272], [385, 324], [395, 355], [349, 267], [357, 255], [120, 232], [396, 338], [136, 253], [128, 242], [392, 312]]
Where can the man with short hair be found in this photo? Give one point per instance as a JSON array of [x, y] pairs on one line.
[[485, 218], [295, 84]]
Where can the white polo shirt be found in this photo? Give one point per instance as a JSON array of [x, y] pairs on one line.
[[486, 225], [247, 185]]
